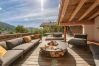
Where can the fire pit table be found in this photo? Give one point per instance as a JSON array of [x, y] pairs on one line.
[[53, 48]]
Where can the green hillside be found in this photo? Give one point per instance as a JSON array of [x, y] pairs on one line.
[[6, 27]]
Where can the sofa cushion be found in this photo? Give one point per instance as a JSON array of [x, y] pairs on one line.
[[83, 36], [3, 44], [14, 42], [25, 47], [57, 34], [10, 56], [27, 39], [95, 49], [2, 51], [77, 41], [96, 59], [35, 41], [54, 38]]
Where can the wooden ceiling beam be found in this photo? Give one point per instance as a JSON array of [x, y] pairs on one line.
[[77, 23], [81, 3], [90, 9], [65, 5], [94, 15]]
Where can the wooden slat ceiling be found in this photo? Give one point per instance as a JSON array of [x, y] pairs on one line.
[[78, 11]]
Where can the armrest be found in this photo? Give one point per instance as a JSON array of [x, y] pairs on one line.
[[93, 43]]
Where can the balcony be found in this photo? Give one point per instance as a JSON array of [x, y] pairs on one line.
[[23, 46]]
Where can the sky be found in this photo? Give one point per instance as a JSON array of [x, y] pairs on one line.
[[29, 13]]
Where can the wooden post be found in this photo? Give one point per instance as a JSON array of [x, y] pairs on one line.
[[65, 33]]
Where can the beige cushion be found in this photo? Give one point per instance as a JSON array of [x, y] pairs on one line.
[[27, 39], [36, 36], [32, 37], [2, 51], [11, 56]]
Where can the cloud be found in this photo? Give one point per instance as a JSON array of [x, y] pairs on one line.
[[35, 14]]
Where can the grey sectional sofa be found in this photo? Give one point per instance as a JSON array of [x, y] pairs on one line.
[[54, 36], [15, 48], [79, 39]]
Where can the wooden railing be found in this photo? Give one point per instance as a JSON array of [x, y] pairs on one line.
[[11, 36]]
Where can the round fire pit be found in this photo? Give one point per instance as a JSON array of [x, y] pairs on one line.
[[53, 48]]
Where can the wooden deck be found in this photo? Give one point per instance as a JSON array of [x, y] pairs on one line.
[[76, 56]]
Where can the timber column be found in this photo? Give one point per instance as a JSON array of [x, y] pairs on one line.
[[65, 33]]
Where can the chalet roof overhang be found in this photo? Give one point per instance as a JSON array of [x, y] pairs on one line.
[[78, 12]]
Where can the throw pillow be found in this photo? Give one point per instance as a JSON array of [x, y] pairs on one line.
[[14, 42], [2, 51], [27, 39], [36, 36], [32, 37]]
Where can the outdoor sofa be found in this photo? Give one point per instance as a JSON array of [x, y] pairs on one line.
[[82, 40], [95, 52], [78, 39], [15, 49], [55, 36]]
